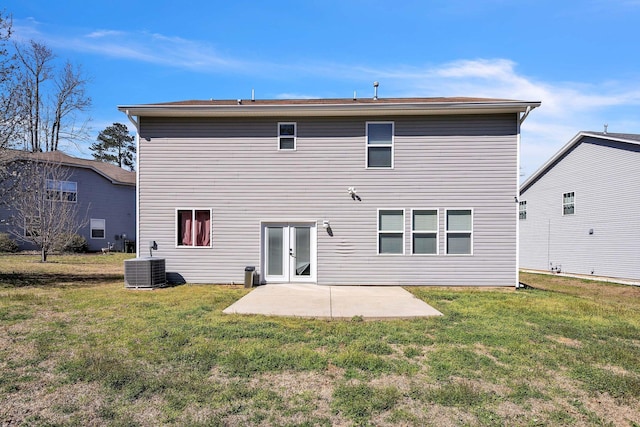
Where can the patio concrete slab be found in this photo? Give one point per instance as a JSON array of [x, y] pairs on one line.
[[332, 302]]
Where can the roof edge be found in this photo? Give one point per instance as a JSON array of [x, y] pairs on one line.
[[397, 106], [566, 148]]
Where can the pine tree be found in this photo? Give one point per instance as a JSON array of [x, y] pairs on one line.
[[115, 145]]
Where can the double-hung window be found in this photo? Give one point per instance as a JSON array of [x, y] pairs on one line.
[[65, 191], [459, 231], [522, 214], [287, 136], [424, 230], [391, 231], [568, 203], [98, 227], [380, 144], [193, 227]]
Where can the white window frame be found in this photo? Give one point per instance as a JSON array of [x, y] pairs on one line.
[[176, 218], [390, 231], [522, 210], [566, 205], [94, 227], [58, 189], [436, 231], [391, 145], [294, 136], [447, 232]]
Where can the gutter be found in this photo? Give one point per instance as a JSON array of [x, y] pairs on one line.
[[270, 110]]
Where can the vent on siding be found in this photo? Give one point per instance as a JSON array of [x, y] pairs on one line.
[[144, 273]]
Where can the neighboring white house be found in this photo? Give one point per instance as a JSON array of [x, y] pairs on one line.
[[409, 191], [579, 211]]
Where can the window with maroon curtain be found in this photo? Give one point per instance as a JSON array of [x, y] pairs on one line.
[[194, 227]]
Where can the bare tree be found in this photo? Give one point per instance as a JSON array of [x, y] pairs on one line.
[[49, 99], [44, 205], [9, 111]]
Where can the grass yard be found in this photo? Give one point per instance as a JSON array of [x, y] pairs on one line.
[[76, 348]]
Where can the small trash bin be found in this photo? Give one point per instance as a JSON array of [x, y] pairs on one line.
[[249, 272]]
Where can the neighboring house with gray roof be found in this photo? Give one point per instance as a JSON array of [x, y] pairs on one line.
[[105, 192], [579, 211], [406, 191]]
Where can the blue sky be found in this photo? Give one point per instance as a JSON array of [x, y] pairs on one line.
[[581, 58]]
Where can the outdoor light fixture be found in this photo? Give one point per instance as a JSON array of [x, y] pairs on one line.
[[325, 224]]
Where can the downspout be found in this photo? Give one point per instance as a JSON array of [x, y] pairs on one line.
[[137, 126], [522, 119]]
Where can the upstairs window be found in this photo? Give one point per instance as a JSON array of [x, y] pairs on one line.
[[286, 136], [380, 145], [425, 231], [523, 210], [194, 227], [391, 231], [65, 191], [459, 232], [568, 203]]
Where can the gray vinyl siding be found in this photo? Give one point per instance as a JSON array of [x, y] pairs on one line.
[[99, 198], [604, 176], [233, 167]]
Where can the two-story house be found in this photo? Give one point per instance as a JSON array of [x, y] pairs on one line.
[[105, 196], [409, 191], [578, 212]]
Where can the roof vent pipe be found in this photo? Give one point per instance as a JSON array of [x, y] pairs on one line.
[[605, 129], [253, 95], [375, 90]]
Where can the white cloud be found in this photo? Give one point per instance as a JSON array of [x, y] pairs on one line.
[[567, 106]]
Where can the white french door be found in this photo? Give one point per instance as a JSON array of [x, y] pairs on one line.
[[289, 252]]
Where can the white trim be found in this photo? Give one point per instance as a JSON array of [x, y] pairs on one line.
[[175, 230], [104, 228], [137, 192], [392, 145], [404, 214], [447, 232], [295, 136], [337, 108], [437, 230]]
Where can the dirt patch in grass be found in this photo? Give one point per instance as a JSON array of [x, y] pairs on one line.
[[573, 343]]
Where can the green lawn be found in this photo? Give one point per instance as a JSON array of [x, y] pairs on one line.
[[76, 348]]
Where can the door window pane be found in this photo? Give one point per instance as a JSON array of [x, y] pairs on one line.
[[275, 251], [303, 251]]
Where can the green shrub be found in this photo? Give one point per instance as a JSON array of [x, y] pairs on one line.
[[7, 244], [77, 244]]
